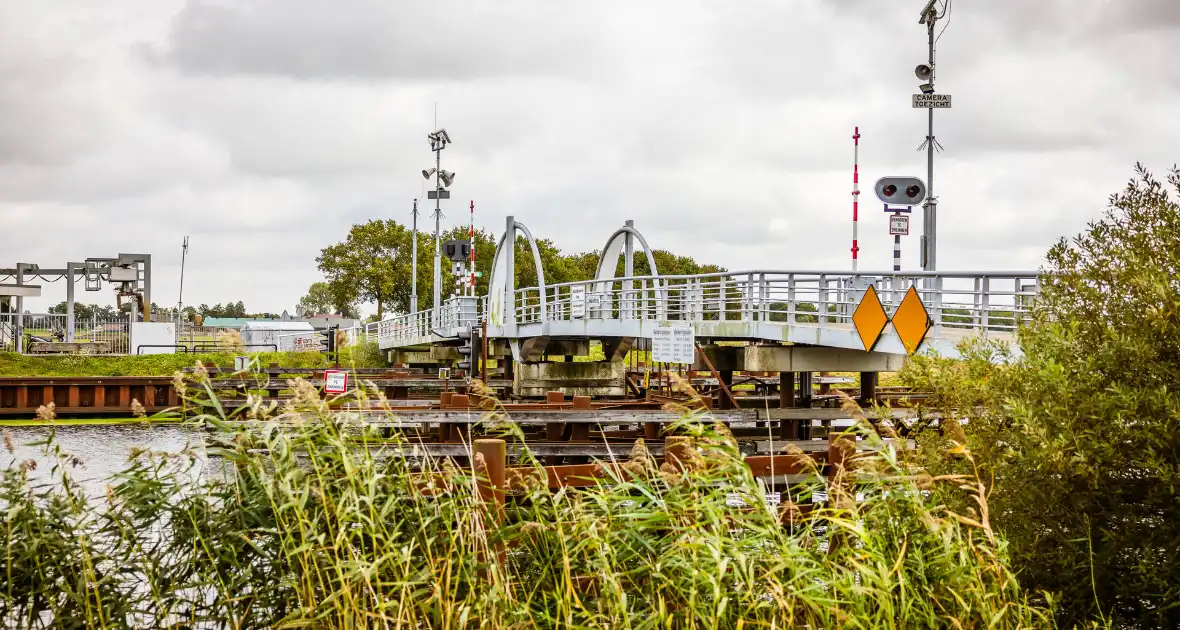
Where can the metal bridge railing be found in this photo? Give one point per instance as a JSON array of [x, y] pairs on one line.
[[993, 301], [413, 328], [974, 301]]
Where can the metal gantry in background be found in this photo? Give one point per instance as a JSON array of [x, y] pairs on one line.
[[132, 273]]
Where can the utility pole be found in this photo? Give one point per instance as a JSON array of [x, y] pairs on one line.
[[414, 261], [438, 141], [180, 298], [929, 241], [437, 220]]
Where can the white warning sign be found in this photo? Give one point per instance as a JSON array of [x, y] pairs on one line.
[[673, 344]]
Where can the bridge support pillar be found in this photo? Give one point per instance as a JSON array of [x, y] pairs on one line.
[[535, 380], [868, 387], [727, 380], [805, 389], [786, 390], [617, 349]]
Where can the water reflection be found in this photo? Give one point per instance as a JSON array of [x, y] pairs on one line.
[[102, 449]]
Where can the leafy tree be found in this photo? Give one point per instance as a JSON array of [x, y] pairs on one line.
[[230, 309], [1080, 433], [373, 265], [321, 298], [81, 309]]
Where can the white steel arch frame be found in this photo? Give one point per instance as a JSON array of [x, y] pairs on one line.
[[502, 281], [613, 249], [622, 243]]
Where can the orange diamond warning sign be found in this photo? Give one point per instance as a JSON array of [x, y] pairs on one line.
[[911, 321], [869, 318]]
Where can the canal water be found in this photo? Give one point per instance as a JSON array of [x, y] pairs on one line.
[[102, 450]]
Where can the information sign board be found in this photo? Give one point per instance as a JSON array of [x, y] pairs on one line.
[[673, 344], [578, 301], [932, 101]]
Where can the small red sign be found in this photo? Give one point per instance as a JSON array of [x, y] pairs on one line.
[[335, 381]]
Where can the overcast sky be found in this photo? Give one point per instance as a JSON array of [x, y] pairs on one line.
[[264, 128]]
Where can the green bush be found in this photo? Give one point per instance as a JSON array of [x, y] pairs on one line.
[[1080, 434]]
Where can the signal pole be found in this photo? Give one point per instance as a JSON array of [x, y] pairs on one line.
[[855, 191]]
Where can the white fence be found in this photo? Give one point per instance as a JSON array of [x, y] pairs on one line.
[[110, 335]]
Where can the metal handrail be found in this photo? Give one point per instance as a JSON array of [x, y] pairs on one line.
[[983, 301]]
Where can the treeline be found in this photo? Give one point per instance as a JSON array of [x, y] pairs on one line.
[[373, 264], [83, 310]]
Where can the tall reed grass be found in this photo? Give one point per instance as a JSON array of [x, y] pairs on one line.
[[310, 525]]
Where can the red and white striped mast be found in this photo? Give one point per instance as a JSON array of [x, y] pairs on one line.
[[855, 190]]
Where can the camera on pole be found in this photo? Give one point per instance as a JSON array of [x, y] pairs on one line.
[[900, 191]]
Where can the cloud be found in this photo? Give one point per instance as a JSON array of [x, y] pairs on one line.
[[373, 40], [265, 129]]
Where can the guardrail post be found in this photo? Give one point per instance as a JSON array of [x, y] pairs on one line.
[[937, 301], [791, 298], [822, 300], [748, 299], [976, 302], [763, 298]]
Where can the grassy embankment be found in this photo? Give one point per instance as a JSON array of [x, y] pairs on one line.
[[12, 364]]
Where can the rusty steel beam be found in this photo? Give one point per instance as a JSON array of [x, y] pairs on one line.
[[22, 396]]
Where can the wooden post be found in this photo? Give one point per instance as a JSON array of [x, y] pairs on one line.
[[841, 448], [868, 387], [580, 431], [491, 483], [786, 390]]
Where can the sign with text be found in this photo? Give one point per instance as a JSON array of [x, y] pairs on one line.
[[673, 344], [899, 224], [578, 301], [335, 381], [300, 342], [932, 101]]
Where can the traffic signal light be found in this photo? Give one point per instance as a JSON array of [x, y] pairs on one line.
[[468, 351], [900, 191], [457, 251]]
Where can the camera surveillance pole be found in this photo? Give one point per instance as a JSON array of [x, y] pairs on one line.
[[438, 147], [930, 208]]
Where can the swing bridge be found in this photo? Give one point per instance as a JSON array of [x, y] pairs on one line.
[[791, 319]]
